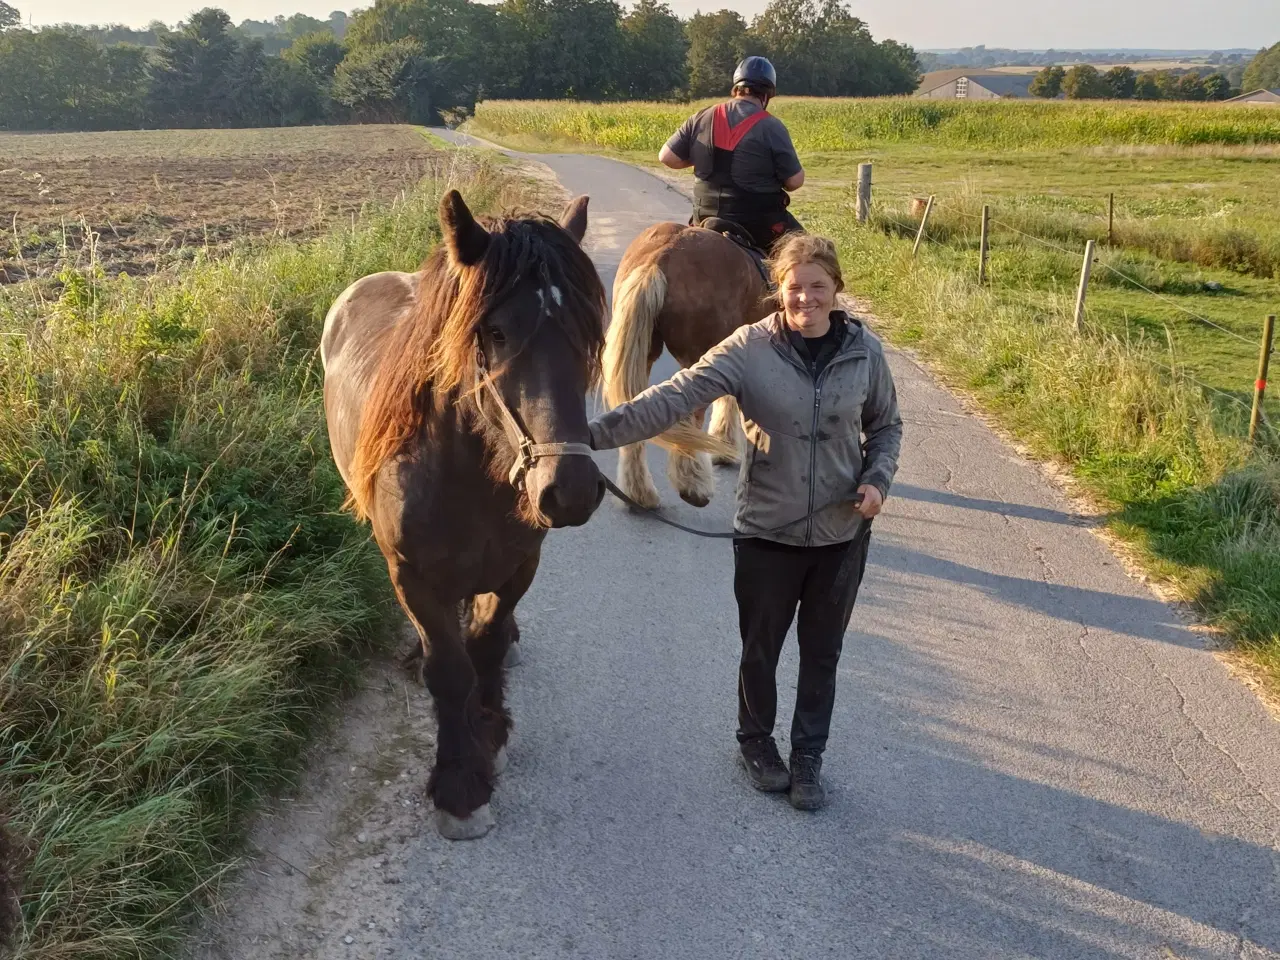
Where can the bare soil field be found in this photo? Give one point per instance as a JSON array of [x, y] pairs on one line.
[[139, 201]]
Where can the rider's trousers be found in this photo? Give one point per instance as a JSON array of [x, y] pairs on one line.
[[771, 580]]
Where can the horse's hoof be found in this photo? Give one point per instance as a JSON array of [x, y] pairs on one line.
[[500, 761], [465, 828], [514, 656], [694, 499]]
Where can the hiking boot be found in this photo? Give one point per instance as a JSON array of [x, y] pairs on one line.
[[806, 780], [764, 765]]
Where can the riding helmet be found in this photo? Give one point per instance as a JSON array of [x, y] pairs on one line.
[[756, 72]]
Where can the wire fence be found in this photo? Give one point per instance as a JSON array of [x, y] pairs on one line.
[[920, 229]]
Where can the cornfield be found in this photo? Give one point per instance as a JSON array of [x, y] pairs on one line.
[[844, 124]]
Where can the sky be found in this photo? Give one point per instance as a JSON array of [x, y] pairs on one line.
[[925, 24]]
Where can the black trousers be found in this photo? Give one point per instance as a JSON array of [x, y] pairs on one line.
[[770, 580]]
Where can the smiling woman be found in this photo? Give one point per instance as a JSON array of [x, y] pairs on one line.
[[822, 424]]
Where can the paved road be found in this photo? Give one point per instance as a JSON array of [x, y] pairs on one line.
[[1031, 756]]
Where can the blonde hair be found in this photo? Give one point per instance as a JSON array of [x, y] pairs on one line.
[[796, 249]]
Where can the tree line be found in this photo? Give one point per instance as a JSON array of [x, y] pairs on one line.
[[420, 60], [1085, 82]]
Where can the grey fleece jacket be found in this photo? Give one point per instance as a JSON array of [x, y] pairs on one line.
[[810, 444]]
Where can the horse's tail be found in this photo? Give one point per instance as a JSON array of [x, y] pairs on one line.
[[638, 298]]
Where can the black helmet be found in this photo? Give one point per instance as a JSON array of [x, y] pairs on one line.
[[756, 72]]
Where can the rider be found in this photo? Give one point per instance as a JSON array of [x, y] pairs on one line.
[[742, 157]]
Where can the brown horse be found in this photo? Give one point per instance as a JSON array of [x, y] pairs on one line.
[[456, 404], [685, 288]]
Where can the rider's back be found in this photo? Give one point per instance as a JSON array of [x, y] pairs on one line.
[[762, 159]]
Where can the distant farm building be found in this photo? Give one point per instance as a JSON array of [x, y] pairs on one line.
[[975, 85], [1271, 97]]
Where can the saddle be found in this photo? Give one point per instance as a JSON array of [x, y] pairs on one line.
[[742, 237]]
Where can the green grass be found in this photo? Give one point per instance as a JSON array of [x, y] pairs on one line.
[[180, 596], [844, 125], [1196, 187]]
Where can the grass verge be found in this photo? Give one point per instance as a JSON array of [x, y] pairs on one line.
[[180, 597]]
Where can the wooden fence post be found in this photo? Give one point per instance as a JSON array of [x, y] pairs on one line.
[[1111, 219], [864, 192], [924, 220], [1260, 385], [1085, 269], [984, 245]]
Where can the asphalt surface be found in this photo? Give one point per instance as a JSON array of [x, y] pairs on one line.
[[1031, 755]]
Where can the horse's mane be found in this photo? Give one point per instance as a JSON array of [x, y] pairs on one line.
[[430, 357]]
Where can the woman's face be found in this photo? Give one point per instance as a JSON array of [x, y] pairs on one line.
[[808, 297]]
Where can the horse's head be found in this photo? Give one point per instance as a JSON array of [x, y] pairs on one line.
[[537, 338]]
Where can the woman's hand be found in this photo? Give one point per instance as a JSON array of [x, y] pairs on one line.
[[871, 501]]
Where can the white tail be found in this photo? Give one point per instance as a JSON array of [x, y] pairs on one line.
[[637, 300]]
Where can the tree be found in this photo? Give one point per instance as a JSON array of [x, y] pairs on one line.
[[318, 54], [1167, 84], [654, 52], [299, 25], [1084, 82], [717, 41], [1147, 87], [57, 79], [455, 36], [1048, 83], [387, 82], [209, 75], [1191, 87], [822, 49], [1122, 81], [573, 48], [1263, 71], [1217, 87], [9, 16]]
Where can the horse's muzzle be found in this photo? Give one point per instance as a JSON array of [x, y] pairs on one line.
[[566, 490]]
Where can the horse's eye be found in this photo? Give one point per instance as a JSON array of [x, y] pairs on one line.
[[496, 336]]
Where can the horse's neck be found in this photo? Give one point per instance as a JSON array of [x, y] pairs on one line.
[[474, 450]]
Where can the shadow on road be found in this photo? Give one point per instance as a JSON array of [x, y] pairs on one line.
[[909, 491]]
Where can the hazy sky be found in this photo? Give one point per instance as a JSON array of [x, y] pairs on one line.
[[923, 23]]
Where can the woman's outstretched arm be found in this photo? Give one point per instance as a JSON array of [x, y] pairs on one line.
[[717, 374]]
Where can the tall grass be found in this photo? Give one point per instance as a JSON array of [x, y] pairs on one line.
[[1172, 464], [179, 593], [843, 124]]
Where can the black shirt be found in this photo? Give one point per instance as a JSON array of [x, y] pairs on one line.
[[818, 351]]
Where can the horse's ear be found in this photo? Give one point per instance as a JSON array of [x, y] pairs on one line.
[[467, 240], [574, 218]]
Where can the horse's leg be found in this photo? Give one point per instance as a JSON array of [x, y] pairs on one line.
[[692, 476], [726, 423], [492, 634], [634, 477], [462, 780]]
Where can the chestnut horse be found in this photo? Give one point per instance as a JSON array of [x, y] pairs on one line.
[[684, 288], [456, 405]]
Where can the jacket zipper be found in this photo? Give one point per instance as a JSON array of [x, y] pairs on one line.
[[787, 352]]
